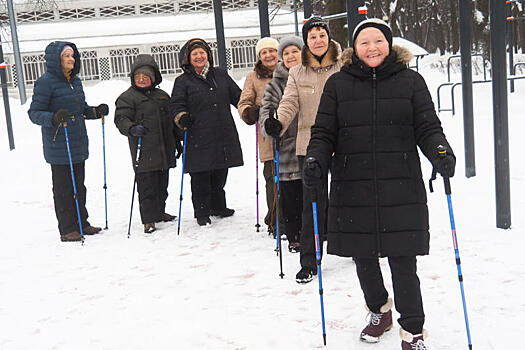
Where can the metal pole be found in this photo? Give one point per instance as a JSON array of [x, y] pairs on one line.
[[353, 17], [307, 9], [510, 27], [296, 20], [5, 94], [16, 51], [500, 110], [466, 77], [264, 20], [219, 32]]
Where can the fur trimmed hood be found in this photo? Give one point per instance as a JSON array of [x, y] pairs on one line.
[[331, 56], [262, 71], [403, 55]]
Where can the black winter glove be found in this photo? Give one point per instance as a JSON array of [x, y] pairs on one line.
[[273, 127], [60, 116], [138, 130], [179, 148], [312, 174], [252, 114], [445, 165], [186, 121], [101, 110]]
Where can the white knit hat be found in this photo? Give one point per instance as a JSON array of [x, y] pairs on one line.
[[66, 48], [266, 43]]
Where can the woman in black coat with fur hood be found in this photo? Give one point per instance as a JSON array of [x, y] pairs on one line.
[[200, 104], [372, 117]]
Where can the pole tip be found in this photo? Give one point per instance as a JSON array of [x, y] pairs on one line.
[[324, 339]]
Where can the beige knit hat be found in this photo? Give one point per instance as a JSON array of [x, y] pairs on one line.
[[266, 43]]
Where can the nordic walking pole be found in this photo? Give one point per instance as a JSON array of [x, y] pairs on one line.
[[105, 183], [276, 147], [182, 178], [134, 183], [257, 173], [442, 151], [318, 254], [74, 184]]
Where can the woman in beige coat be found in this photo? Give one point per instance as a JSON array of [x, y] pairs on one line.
[[249, 105], [320, 59]]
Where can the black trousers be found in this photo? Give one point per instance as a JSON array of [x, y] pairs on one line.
[[64, 198], [407, 292], [292, 207], [207, 191], [152, 187], [307, 236], [271, 200]]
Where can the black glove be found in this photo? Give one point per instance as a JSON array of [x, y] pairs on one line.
[[445, 165], [138, 130], [186, 121], [101, 110], [312, 174], [273, 127], [252, 114], [179, 148], [60, 116]]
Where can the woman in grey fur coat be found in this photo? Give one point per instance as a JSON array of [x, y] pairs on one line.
[[289, 171]]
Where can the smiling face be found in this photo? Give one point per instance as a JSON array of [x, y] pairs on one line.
[[291, 56], [371, 47], [269, 58], [67, 61], [198, 58], [318, 41]]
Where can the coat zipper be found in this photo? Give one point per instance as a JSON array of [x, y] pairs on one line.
[[374, 132]]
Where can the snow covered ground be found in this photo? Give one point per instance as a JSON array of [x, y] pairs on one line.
[[218, 287]]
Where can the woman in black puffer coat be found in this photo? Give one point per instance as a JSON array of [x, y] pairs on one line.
[[372, 117], [200, 104], [142, 111]]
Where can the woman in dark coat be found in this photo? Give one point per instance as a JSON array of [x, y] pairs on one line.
[[142, 111], [58, 100], [200, 104], [372, 117]]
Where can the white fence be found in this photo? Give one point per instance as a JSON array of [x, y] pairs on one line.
[[105, 64]]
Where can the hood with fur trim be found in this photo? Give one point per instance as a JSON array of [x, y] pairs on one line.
[[184, 54], [331, 56], [403, 55]]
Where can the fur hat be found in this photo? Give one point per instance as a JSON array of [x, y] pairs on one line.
[[376, 23], [289, 40], [147, 71], [266, 43], [314, 22], [66, 48]]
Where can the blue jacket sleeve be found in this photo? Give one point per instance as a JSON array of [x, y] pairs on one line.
[[39, 110]]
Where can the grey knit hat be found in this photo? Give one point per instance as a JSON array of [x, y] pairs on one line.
[[287, 41]]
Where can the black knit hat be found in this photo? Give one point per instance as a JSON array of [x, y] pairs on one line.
[[376, 23], [314, 22]]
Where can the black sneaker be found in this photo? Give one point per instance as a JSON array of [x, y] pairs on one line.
[[305, 275], [149, 228], [203, 220], [294, 247], [223, 213], [167, 217]]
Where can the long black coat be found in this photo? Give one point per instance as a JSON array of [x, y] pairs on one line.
[[369, 129], [212, 141], [149, 107]]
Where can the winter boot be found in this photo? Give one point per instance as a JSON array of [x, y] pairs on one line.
[[378, 324], [305, 275], [203, 220], [223, 213], [149, 228], [167, 217], [294, 247], [71, 237], [91, 230], [411, 341]]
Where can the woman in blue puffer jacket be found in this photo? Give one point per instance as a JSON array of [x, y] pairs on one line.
[[58, 100]]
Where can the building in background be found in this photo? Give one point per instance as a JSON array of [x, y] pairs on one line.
[[109, 34]]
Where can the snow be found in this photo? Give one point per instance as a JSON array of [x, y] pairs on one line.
[[110, 32], [218, 288]]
